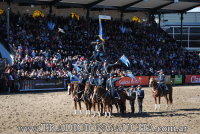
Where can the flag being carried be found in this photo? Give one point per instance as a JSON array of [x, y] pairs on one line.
[[51, 25], [130, 74], [123, 29], [76, 68], [125, 60], [102, 17]]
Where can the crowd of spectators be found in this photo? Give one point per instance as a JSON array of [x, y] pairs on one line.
[[41, 53]]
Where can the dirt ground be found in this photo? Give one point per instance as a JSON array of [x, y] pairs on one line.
[[39, 109]]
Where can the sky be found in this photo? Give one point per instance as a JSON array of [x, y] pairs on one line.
[[197, 9]]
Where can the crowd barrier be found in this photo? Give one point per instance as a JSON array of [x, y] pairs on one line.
[[61, 84]]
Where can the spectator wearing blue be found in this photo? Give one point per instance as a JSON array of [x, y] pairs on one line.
[[90, 80], [140, 97], [132, 94]]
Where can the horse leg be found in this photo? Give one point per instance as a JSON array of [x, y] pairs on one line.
[[101, 108], [124, 106], [170, 97], [94, 109], [79, 103], [109, 110], [105, 109], [90, 107], [69, 90], [117, 107], [155, 98], [98, 104], [166, 101], [75, 106], [159, 103], [86, 105]]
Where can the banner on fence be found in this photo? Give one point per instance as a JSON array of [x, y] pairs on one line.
[[192, 79], [32, 85], [127, 81], [178, 79]]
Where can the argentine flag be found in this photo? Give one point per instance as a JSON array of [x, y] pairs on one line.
[[131, 76], [77, 68], [51, 25], [125, 60]]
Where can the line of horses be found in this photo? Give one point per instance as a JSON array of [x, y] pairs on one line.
[[97, 96]]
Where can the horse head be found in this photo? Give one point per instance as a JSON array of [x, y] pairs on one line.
[[152, 82], [88, 89]]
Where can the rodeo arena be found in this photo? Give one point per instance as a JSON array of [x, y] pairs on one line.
[[99, 66]]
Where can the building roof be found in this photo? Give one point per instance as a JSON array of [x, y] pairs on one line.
[[162, 6]]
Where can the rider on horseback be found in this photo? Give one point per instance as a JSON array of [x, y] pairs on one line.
[[100, 81], [99, 50], [110, 86], [90, 80], [161, 79]]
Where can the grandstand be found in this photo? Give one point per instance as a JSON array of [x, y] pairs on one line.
[[42, 52]]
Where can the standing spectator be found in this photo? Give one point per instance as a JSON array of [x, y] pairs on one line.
[[140, 97]]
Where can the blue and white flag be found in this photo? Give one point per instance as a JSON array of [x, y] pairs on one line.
[[131, 75], [125, 60], [77, 68], [102, 17], [101, 31], [123, 29], [51, 25], [69, 75]]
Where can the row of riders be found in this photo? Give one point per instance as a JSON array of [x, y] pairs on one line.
[[103, 93]]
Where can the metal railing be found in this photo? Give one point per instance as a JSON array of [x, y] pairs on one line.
[[190, 35]]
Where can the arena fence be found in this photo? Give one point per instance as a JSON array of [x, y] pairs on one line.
[[52, 84], [61, 84]]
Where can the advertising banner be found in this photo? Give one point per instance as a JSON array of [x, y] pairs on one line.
[[127, 81], [178, 79], [189, 79], [32, 85]]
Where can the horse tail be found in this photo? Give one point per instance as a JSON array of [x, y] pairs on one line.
[[170, 94]]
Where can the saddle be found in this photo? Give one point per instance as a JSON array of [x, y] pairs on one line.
[[163, 89]]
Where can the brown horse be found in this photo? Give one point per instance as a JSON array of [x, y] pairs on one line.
[[105, 101], [122, 102], [157, 93], [100, 97], [87, 97], [77, 95]]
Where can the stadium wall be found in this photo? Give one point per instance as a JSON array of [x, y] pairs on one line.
[[67, 11]]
